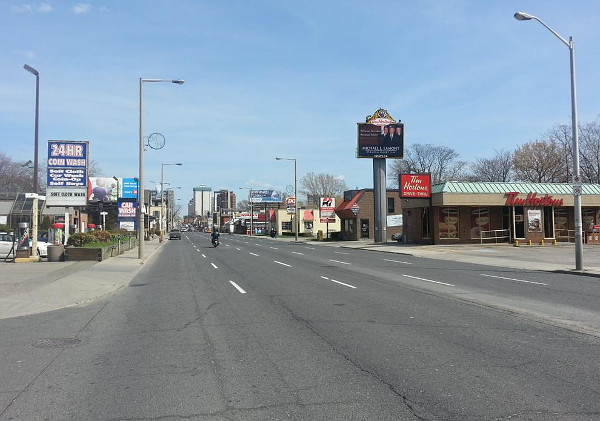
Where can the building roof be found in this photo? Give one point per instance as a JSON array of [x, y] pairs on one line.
[[343, 210], [461, 187]]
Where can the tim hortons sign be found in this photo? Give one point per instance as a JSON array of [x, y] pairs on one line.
[[532, 199], [415, 185]]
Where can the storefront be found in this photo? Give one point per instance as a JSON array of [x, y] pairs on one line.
[[480, 212]]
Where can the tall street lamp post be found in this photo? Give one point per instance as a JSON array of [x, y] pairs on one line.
[[140, 230], [34, 222], [297, 225], [162, 196], [574, 134]]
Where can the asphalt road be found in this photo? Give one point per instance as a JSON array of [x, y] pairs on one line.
[[258, 329]]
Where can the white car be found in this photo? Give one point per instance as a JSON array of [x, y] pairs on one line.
[[7, 251]]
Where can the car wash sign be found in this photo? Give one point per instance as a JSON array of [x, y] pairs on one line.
[[67, 173]]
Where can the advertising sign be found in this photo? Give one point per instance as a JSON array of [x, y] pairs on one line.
[[415, 186], [127, 209], [265, 196], [380, 141], [534, 218], [128, 188], [128, 225], [327, 207], [67, 171], [290, 205], [102, 190], [394, 220]]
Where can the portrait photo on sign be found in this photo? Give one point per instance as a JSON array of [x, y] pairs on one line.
[[380, 141]]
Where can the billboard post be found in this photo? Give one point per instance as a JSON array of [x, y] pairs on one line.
[[380, 137]]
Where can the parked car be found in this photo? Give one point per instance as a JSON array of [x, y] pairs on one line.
[[175, 234], [6, 246]]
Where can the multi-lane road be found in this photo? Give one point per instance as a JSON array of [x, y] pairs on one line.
[[262, 329]]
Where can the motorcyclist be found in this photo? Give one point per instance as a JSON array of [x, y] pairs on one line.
[[214, 235]]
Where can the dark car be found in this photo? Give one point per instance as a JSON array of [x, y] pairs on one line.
[[398, 237], [175, 234]]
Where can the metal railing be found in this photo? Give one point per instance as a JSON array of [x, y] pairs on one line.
[[502, 236]]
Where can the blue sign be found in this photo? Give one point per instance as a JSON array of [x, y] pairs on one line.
[[265, 196], [67, 163], [127, 209], [128, 188]]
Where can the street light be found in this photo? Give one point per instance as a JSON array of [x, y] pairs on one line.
[[576, 173], [140, 231], [251, 208], [296, 228], [162, 196], [37, 115]]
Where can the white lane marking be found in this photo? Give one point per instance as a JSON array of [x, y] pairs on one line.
[[274, 248], [512, 279], [428, 280], [256, 244], [213, 265], [227, 245], [341, 252], [238, 249], [204, 255], [281, 263], [337, 261], [254, 254], [237, 287], [338, 282], [310, 248], [247, 242], [297, 252], [397, 261]]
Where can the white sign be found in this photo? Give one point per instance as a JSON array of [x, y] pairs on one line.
[[327, 207], [394, 220], [60, 196]]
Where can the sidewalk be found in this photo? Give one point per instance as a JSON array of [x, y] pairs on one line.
[[31, 288], [558, 258]]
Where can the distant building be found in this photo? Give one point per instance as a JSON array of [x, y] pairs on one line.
[[202, 201]]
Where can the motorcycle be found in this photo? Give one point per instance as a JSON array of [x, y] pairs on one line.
[[215, 242], [273, 233]]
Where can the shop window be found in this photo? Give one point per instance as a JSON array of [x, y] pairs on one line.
[[588, 218], [308, 226], [286, 226], [425, 223], [448, 223], [390, 203], [480, 223], [548, 222]]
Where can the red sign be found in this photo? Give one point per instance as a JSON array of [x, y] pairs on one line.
[[415, 185], [327, 220], [532, 199]]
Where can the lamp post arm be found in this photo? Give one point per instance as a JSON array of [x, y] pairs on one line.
[[564, 41]]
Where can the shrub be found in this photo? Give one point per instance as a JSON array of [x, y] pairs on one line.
[[80, 239], [103, 236]]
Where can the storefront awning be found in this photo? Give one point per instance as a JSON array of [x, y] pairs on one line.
[[309, 216], [344, 209]]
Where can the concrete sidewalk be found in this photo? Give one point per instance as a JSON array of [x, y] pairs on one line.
[[30, 288], [558, 258]]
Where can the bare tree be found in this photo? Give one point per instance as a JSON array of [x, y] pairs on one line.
[[540, 162], [589, 151], [497, 168], [15, 176], [441, 161], [319, 185]]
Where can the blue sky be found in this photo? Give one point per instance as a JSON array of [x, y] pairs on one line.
[[286, 78]]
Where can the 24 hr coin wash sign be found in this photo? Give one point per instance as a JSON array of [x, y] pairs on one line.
[[67, 173]]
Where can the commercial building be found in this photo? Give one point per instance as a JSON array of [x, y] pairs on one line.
[[357, 214], [484, 212]]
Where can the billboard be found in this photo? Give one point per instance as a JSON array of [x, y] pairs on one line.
[[67, 170], [102, 189], [265, 196], [380, 141], [416, 186], [128, 188]]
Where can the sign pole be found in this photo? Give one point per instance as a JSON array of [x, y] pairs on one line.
[[379, 181]]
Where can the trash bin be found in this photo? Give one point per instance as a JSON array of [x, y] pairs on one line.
[[320, 235], [56, 253]]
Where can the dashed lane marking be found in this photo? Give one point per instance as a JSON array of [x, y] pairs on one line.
[[237, 287], [428, 280], [283, 264], [337, 261], [397, 261], [254, 254], [338, 282], [512, 279], [213, 265]]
